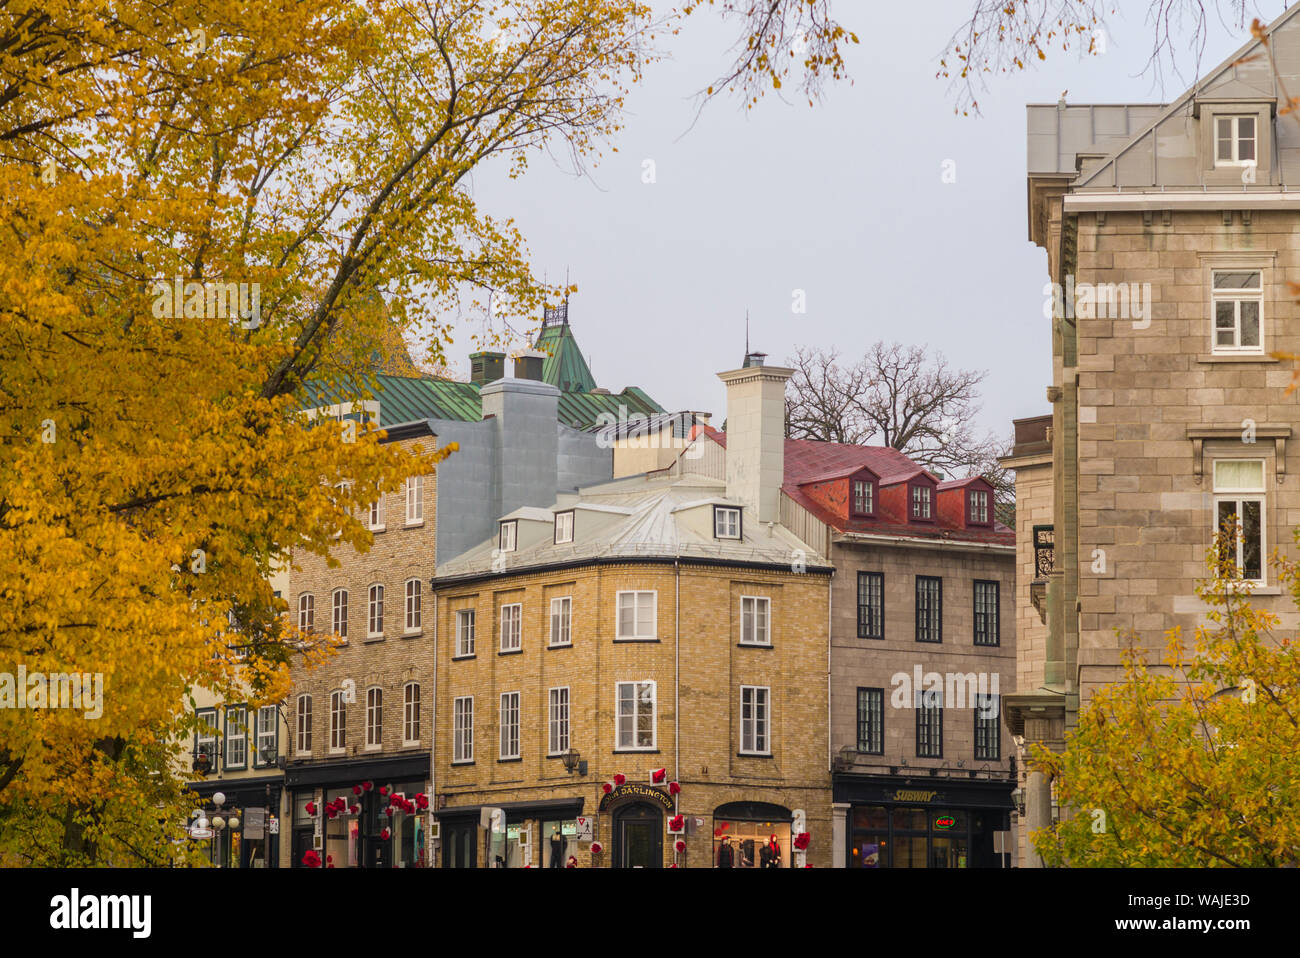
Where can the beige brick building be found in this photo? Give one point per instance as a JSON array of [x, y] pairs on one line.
[[1171, 238], [665, 623]]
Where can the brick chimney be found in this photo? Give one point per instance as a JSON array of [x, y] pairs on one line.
[[756, 438]]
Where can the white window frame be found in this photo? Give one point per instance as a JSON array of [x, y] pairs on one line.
[[236, 735], [465, 636], [758, 601], [561, 621], [756, 727], [375, 611], [374, 718], [462, 709], [1240, 495], [267, 715], [509, 727], [515, 634], [375, 515], [1236, 139], [302, 734], [415, 501], [722, 525], [921, 494], [339, 612], [414, 604], [978, 506], [508, 535], [307, 612], [869, 497], [338, 743], [637, 686], [208, 718], [411, 713], [1236, 297], [637, 635], [557, 721], [564, 522]]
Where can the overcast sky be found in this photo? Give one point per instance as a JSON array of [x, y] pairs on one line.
[[844, 201]]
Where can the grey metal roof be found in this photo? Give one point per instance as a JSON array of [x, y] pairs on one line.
[[653, 527]]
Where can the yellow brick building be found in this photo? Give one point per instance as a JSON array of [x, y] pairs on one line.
[[637, 676]]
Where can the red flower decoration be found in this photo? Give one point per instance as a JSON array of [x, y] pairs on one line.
[[673, 865], [334, 813], [677, 823], [356, 789], [658, 776], [422, 801], [571, 863], [607, 788], [385, 834], [679, 845], [355, 809], [807, 866], [595, 848], [674, 788], [311, 859], [383, 789], [802, 840], [311, 808], [620, 778], [389, 811], [367, 785], [329, 866], [329, 859]]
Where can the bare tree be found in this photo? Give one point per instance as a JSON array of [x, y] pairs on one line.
[[800, 40], [899, 396]]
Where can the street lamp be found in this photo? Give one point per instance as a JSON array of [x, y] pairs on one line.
[[572, 759]]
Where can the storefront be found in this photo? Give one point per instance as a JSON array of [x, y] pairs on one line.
[[537, 835], [373, 824], [249, 814], [751, 835], [901, 822]]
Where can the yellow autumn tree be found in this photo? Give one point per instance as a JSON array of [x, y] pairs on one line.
[[203, 205], [1193, 765]]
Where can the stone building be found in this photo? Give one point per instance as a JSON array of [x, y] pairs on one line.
[[1170, 233]]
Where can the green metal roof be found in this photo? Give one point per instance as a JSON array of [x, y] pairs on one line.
[[583, 410], [408, 398], [564, 365]]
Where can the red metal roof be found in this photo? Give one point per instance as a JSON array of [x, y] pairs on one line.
[[809, 460]]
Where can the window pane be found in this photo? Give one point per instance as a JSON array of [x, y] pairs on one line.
[[1239, 475], [1225, 137], [1249, 323], [1250, 540], [1245, 128], [1237, 279]]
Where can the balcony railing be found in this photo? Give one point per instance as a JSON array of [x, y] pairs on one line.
[[1044, 551]]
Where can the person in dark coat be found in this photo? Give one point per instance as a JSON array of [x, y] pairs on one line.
[[772, 853], [726, 856]]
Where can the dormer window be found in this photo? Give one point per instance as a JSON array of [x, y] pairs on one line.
[[1234, 140], [864, 497], [726, 522], [563, 527], [507, 538], [977, 513], [921, 503]]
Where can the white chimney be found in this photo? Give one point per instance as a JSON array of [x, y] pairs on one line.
[[756, 438]]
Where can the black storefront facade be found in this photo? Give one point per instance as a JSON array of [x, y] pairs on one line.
[[537, 834], [357, 839], [255, 804], [922, 821]]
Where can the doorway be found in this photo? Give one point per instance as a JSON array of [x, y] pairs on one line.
[[638, 836]]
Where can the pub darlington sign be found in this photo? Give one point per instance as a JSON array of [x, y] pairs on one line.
[[637, 790]]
